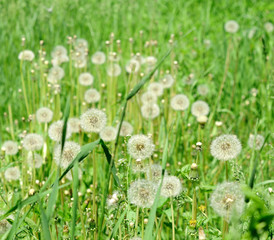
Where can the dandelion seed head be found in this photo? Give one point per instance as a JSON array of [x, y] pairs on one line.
[[140, 147], [142, 193], [92, 96], [255, 142], [156, 88], [151, 61], [69, 174], [98, 58], [10, 147], [4, 224], [231, 26], [154, 172], [167, 81], [139, 166], [268, 26], [86, 79], [114, 70], [93, 120], [108, 134], [12, 174], [33, 142], [203, 89], [44, 115], [228, 199], [225, 147], [179, 102], [81, 44], [59, 55], [200, 108], [132, 66], [26, 55], [171, 186], [148, 98], [126, 129], [56, 130], [150, 111], [74, 125], [55, 74], [34, 160], [70, 151]]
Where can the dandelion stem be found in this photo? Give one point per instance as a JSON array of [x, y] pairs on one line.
[[172, 217]]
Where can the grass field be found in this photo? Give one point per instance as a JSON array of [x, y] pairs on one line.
[[136, 119]]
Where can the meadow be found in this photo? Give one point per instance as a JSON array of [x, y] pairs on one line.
[[136, 119]]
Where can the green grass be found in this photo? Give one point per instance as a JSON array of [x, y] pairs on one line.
[[232, 66]]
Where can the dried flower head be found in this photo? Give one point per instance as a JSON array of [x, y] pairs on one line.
[[33, 142], [142, 193], [10, 147], [203, 89], [200, 108], [225, 147], [12, 174], [151, 61], [268, 26], [126, 129], [108, 134], [231, 26], [81, 44], [150, 111], [59, 55], [179, 102], [167, 81], [44, 115], [56, 130], [55, 74], [85, 79], [140, 146], [171, 186], [154, 172], [156, 88], [255, 142], [148, 98], [132, 66], [74, 125], [92, 96], [26, 55], [34, 160], [228, 199], [114, 70], [93, 120], [98, 58], [70, 151]]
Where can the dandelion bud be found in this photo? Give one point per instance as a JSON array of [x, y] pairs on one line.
[[194, 175], [131, 224], [37, 181], [107, 43], [199, 146], [31, 192], [218, 123], [19, 90], [145, 221]]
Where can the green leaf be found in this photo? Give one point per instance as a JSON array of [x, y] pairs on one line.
[[44, 220], [119, 222]]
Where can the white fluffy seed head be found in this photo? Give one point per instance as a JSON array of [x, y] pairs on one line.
[[154, 172], [81, 44], [126, 129], [140, 147], [56, 130], [93, 120], [98, 58], [108, 133], [10, 147], [142, 193], [33, 142], [171, 187], [156, 88], [179, 102], [268, 26], [12, 174], [70, 151], [148, 98], [167, 81], [59, 55], [92, 96], [255, 142], [55, 74], [34, 160], [200, 108], [86, 79], [114, 70], [132, 66], [227, 200], [203, 89], [150, 111], [231, 26], [44, 115], [26, 55], [4, 224], [74, 125], [225, 147]]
